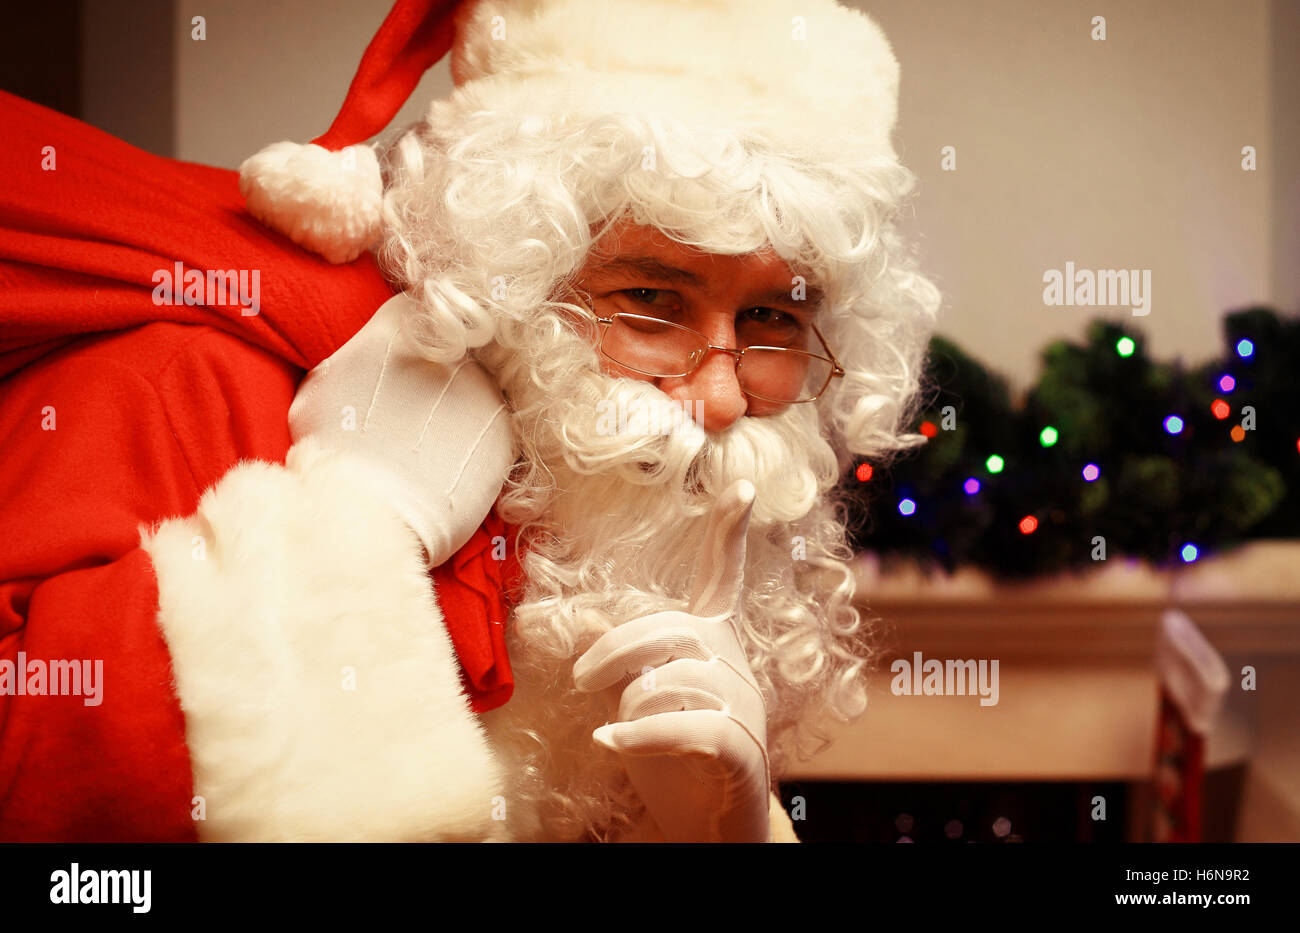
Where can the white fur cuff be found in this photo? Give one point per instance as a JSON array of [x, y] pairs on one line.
[[320, 688]]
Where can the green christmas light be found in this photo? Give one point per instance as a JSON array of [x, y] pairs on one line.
[[1048, 436], [1125, 346], [995, 464]]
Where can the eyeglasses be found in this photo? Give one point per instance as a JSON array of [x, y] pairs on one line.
[[654, 347]]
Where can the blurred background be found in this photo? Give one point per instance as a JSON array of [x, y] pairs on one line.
[[1161, 681]]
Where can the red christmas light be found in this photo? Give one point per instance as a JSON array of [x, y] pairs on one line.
[[929, 428], [1028, 525], [864, 472], [1221, 409]]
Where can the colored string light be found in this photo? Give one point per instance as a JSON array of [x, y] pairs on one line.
[[1245, 348], [1227, 383], [1221, 409], [1091, 472], [929, 428], [1028, 525], [1048, 436], [995, 464], [972, 485], [1238, 434], [864, 472], [1190, 552], [1125, 346], [906, 506], [1174, 424]]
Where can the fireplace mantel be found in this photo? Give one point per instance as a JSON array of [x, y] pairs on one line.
[[1078, 688]]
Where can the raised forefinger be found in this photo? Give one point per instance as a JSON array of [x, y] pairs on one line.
[[622, 652], [719, 579]]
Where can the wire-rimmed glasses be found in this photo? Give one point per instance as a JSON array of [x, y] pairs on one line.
[[655, 347]]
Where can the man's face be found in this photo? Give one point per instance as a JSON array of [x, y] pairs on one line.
[[731, 300]]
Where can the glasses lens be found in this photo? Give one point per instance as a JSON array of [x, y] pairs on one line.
[[652, 347], [660, 348], [783, 375]]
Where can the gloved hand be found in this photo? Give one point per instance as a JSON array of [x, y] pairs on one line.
[[692, 726], [440, 433]]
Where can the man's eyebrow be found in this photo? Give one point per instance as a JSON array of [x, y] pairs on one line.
[[651, 268], [658, 270], [811, 301]]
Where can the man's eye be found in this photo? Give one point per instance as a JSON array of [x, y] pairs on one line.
[[772, 317], [646, 296], [770, 326]]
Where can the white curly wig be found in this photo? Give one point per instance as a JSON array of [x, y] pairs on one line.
[[488, 216]]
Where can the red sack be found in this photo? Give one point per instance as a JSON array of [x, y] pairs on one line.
[[119, 405]]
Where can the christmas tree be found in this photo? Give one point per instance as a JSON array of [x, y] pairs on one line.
[[1110, 453]]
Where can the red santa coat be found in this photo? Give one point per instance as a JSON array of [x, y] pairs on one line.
[[273, 661]]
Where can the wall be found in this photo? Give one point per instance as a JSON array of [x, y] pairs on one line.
[[1114, 155], [274, 70]]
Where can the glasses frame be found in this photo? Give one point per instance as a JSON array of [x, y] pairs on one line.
[[836, 369]]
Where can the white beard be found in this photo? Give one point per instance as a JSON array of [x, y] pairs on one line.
[[624, 529]]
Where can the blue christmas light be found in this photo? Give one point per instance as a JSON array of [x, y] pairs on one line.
[[1245, 348], [1190, 552], [1174, 424], [1227, 383], [972, 486], [906, 506]]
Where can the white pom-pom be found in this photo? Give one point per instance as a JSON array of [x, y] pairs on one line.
[[327, 202]]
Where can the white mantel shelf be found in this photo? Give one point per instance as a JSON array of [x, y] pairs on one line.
[[1246, 601], [1077, 685]]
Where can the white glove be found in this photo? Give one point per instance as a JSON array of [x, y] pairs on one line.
[[692, 724], [441, 433]]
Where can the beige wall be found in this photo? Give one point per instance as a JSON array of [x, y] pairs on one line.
[[272, 70], [1122, 154], [1284, 86]]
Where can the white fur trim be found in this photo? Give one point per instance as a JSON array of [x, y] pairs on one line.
[[813, 77], [782, 827], [285, 578], [327, 202]]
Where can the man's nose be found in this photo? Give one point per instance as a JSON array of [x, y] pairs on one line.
[[712, 391]]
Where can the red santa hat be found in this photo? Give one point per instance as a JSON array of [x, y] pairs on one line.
[[812, 77]]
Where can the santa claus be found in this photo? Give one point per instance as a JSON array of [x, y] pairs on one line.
[[624, 212]]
